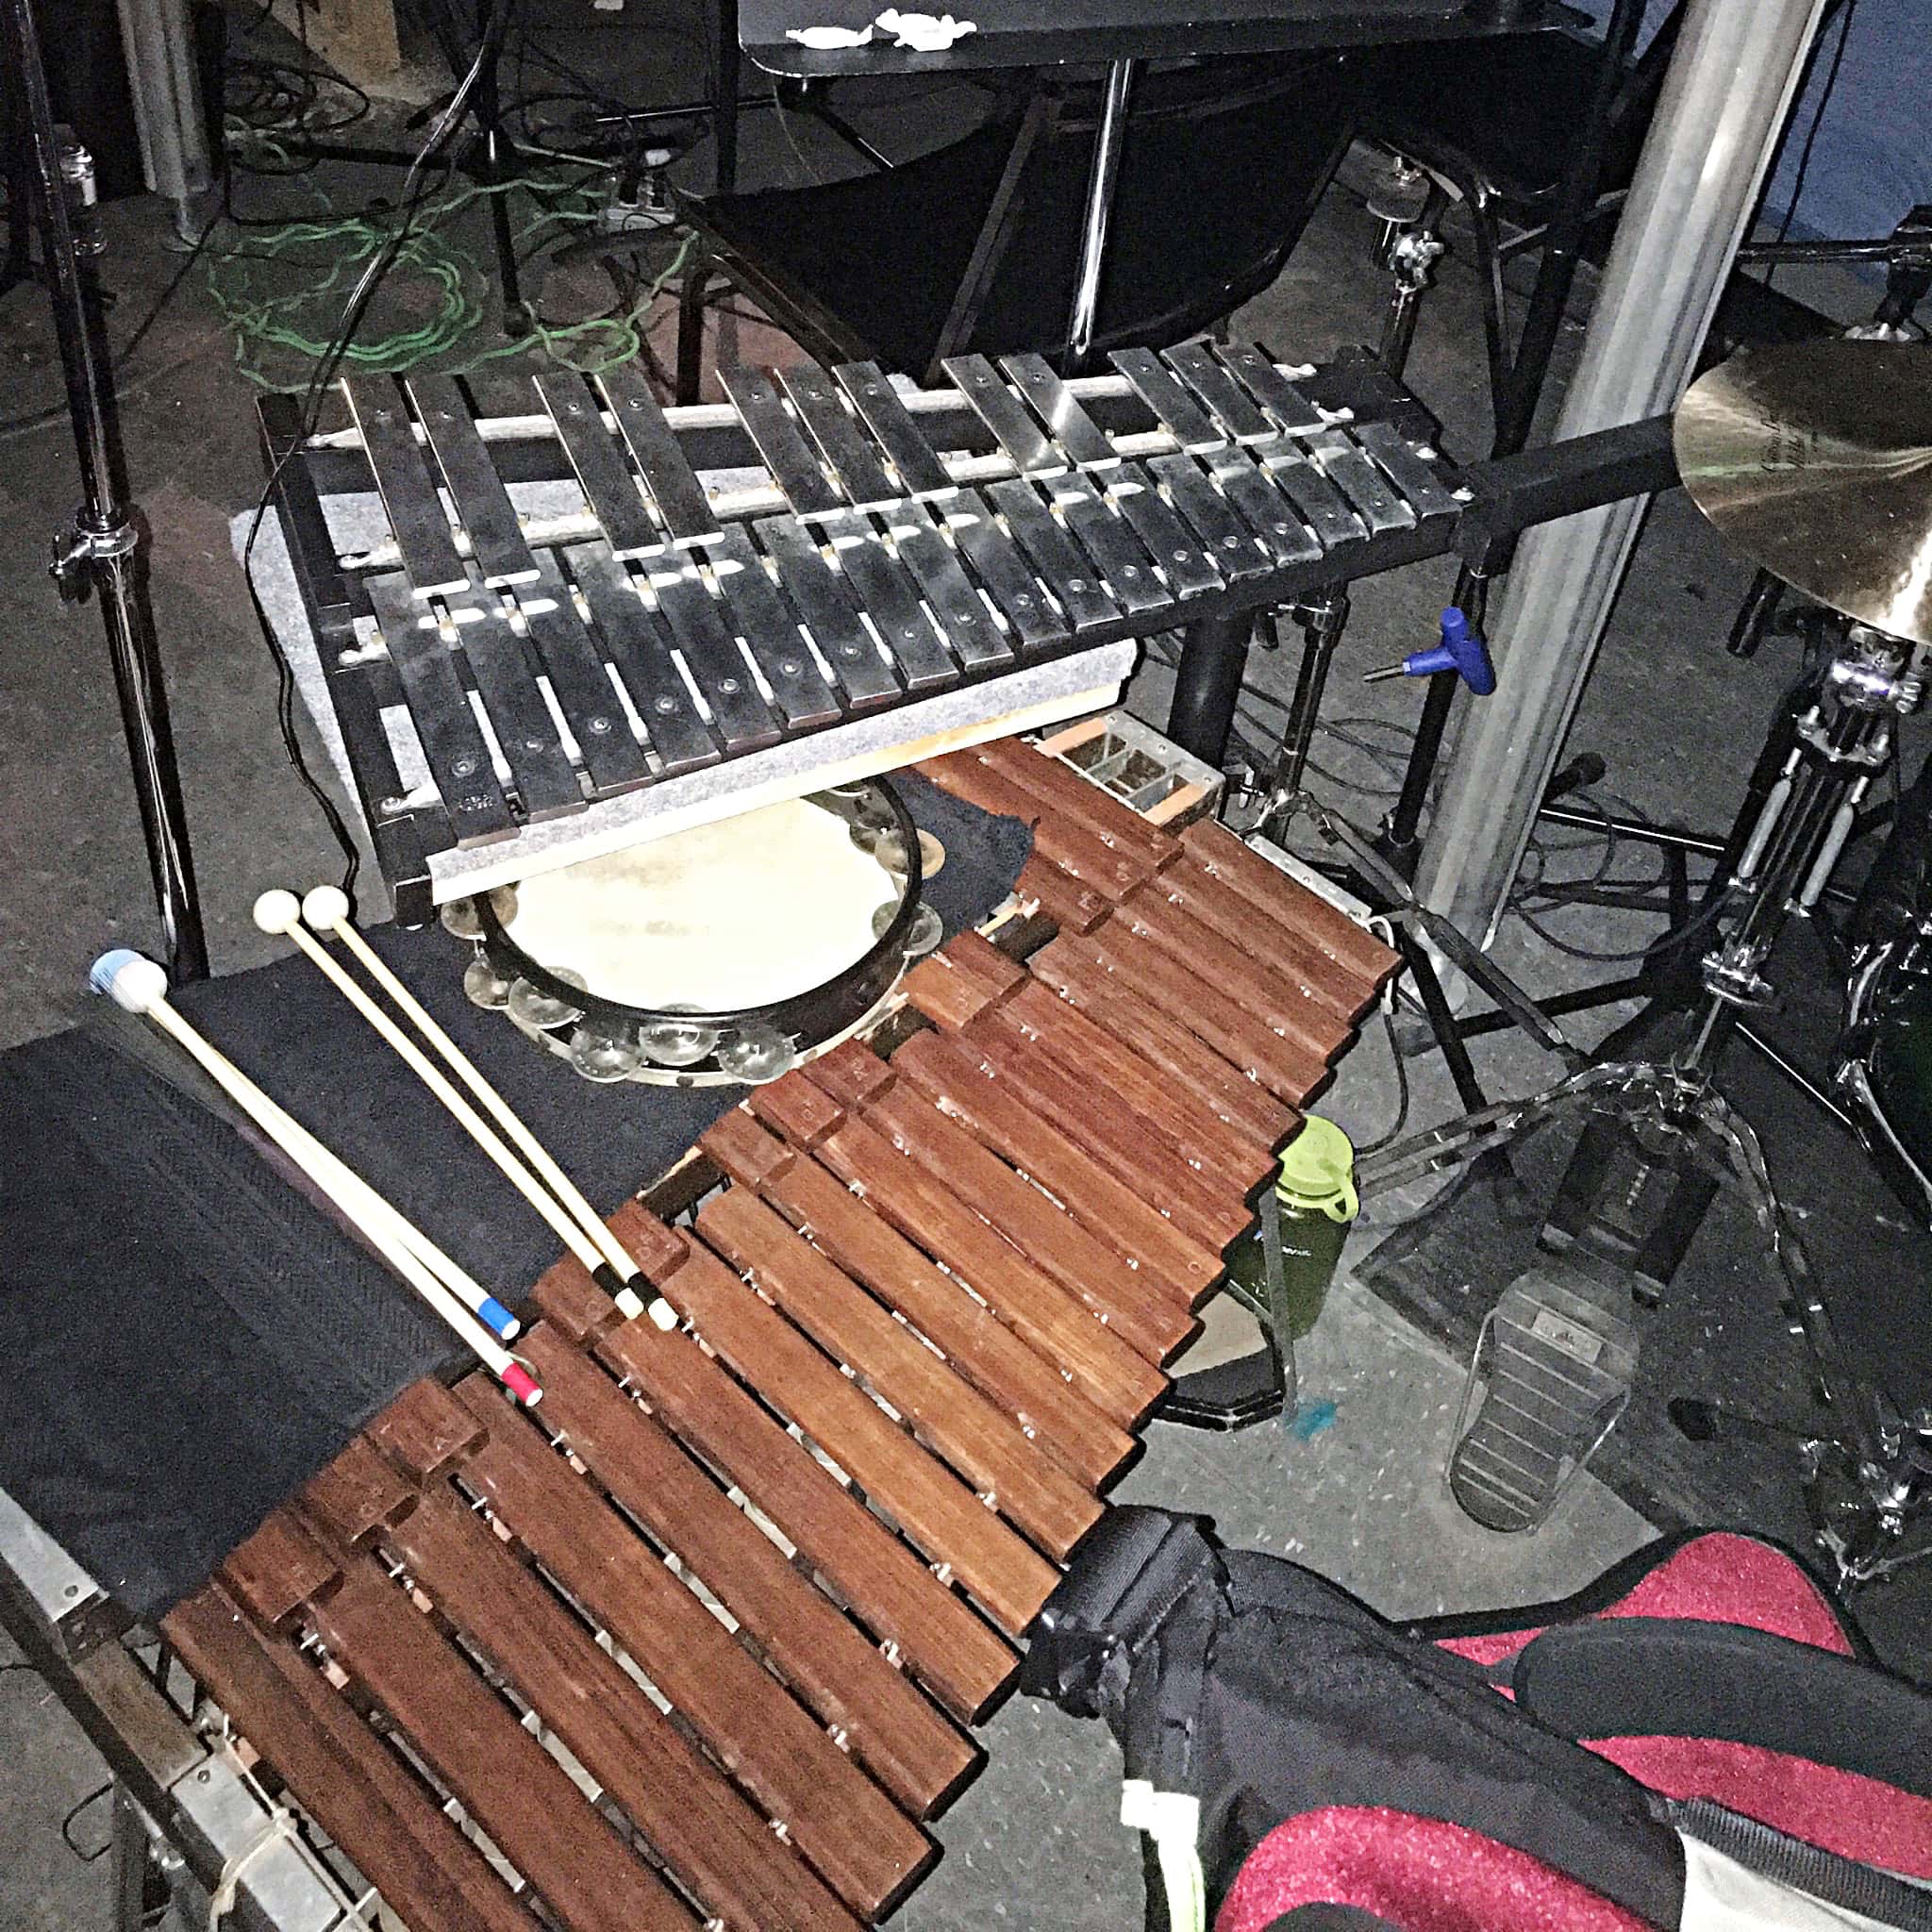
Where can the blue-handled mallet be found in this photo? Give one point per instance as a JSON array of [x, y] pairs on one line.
[[1462, 651]]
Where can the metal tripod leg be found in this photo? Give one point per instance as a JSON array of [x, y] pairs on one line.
[[133, 1860]]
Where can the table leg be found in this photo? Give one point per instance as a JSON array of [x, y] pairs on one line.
[[1215, 654], [1103, 177]]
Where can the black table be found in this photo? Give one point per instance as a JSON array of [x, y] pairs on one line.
[[1059, 33], [1045, 33], [1121, 33]]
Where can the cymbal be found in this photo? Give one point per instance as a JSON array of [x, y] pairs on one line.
[[1815, 459]]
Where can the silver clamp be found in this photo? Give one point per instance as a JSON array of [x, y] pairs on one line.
[[78, 549]]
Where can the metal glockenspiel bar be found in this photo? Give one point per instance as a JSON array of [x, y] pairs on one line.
[[825, 546]]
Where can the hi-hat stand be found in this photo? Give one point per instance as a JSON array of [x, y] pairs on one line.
[[104, 552], [1665, 1126]]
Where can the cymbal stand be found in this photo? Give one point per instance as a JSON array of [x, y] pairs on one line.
[[1906, 253], [104, 550]]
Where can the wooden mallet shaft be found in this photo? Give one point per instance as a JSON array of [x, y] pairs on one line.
[[327, 908], [281, 912], [140, 986]]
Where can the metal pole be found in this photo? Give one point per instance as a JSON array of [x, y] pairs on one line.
[[724, 123], [1730, 85], [158, 37], [1322, 619], [1563, 248], [1401, 836], [1110, 138], [131, 1845], [102, 551]]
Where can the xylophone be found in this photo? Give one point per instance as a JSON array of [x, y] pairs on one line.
[[728, 604], [699, 1639]]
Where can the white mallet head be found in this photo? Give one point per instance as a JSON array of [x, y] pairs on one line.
[[277, 909], [327, 908], [132, 981]]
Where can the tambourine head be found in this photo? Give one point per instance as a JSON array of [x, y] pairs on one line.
[[730, 951]]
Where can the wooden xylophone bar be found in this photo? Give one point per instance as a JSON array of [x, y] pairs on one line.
[[875, 551], [699, 1639]]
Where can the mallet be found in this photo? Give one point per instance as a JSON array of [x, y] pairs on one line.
[[327, 908], [137, 985]]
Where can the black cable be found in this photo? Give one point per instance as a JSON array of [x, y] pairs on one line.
[[101, 1850], [415, 190], [167, 295], [1665, 942], [1837, 61], [1393, 1133], [288, 95]]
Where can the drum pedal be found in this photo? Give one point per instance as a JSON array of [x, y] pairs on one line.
[[1550, 1374]]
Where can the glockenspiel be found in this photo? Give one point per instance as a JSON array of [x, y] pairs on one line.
[[824, 577]]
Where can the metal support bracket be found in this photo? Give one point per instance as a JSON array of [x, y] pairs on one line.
[[199, 1800]]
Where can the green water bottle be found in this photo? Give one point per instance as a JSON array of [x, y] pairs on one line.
[[1317, 1197]]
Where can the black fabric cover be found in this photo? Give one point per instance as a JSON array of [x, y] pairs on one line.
[[1267, 1692], [189, 1339]]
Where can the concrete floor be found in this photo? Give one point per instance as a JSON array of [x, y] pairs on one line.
[[1036, 1841]]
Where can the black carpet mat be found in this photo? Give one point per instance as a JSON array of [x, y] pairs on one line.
[[189, 1338], [1719, 1332]]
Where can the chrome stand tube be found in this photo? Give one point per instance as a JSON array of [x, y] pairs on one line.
[[1103, 177], [158, 35], [102, 551]]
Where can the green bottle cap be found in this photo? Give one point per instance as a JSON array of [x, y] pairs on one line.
[[1318, 1170]]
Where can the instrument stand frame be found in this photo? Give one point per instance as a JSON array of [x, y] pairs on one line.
[[1866, 1470], [1197, 699], [104, 550]]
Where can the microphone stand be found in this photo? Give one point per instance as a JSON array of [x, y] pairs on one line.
[[104, 549]]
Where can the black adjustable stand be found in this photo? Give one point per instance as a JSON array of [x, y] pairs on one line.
[[1204, 702], [102, 553]]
